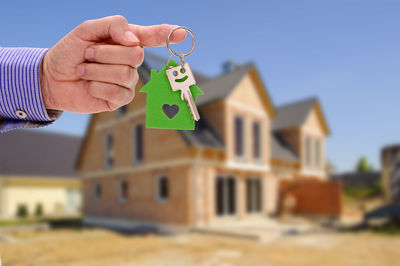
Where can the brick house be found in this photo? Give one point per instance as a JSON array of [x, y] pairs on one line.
[[229, 167]]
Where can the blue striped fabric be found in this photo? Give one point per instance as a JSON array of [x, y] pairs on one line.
[[20, 88]]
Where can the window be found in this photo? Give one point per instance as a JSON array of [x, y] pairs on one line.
[[162, 189], [109, 160], [137, 143], [97, 191], [225, 195], [257, 140], [238, 137], [318, 154], [122, 111], [253, 195], [308, 152], [123, 191]]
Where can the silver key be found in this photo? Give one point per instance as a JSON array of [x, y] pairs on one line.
[[181, 79]]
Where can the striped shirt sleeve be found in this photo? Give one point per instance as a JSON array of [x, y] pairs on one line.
[[21, 103]]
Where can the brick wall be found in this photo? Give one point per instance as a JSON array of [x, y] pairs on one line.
[[313, 196], [141, 204]]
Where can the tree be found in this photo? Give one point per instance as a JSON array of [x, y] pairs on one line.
[[39, 210], [22, 211], [363, 166]]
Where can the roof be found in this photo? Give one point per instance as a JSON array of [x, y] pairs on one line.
[[203, 135], [38, 153], [281, 150], [221, 86], [293, 114]]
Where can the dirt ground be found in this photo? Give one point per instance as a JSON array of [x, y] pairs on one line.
[[100, 247]]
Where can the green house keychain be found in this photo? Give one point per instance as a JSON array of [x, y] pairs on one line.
[[171, 94]]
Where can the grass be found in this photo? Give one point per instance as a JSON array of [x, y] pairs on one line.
[[16, 222], [363, 192], [53, 221], [390, 229]]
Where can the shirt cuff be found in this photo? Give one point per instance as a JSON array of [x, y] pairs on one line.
[[20, 94]]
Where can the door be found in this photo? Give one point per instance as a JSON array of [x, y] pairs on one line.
[[253, 195], [225, 196]]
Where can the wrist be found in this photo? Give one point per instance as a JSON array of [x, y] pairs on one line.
[[44, 84]]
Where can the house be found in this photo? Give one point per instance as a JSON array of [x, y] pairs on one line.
[[298, 137], [390, 158], [37, 172], [229, 167]]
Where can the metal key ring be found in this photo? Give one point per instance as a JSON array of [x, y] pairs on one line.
[[168, 43]]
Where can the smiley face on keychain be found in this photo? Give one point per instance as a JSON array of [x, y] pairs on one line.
[[180, 77], [177, 75]]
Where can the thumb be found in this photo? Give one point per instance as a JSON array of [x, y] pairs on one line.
[[115, 28]]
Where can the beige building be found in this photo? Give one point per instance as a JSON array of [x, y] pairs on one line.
[[229, 167], [37, 171]]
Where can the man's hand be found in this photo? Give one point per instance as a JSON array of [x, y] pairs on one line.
[[94, 68]]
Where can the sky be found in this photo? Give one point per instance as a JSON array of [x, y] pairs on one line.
[[346, 53]]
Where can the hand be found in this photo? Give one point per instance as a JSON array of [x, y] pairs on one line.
[[94, 67]]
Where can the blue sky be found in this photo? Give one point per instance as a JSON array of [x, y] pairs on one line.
[[347, 53]]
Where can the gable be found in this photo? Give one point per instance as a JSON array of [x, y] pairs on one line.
[[251, 92], [315, 121]]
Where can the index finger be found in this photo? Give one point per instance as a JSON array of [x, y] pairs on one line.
[[157, 35]]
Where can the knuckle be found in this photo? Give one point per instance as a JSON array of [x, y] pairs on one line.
[[87, 24], [138, 55], [135, 78], [112, 106], [126, 74], [126, 96], [119, 19], [112, 93], [132, 95]]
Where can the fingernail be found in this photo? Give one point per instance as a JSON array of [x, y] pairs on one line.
[[131, 37], [80, 70], [89, 53]]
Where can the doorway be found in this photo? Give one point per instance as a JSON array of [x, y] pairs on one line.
[[225, 196], [253, 195]]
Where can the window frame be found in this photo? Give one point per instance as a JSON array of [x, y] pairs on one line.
[[308, 148], [121, 197], [243, 140], [318, 154], [223, 206], [135, 159], [109, 151], [258, 158], [159, 198], [97, 191], [254, 195]]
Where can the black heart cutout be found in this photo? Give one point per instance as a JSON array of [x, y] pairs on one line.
[[170, 110]]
